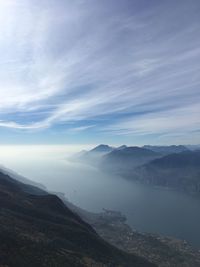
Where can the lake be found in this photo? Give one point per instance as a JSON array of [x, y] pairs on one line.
[[148, 209]]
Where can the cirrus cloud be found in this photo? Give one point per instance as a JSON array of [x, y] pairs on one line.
[[134, 64]]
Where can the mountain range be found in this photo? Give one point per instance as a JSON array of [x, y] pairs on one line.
[[165, 150], [123, 160], [178, 170], [172, 166]]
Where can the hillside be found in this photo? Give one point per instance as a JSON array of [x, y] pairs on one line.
[[101, 149], [165, 150], [163, 251], [180, 171], [94, 155], [20, 178], [125, 160], [39, 230]]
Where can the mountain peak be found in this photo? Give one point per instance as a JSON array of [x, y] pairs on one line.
[[102, 148]]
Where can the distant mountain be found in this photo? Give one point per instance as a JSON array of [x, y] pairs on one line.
[[101, 149], [165, 150], [39, 230], [172, 166], [94, 155], [179, 170], [121, 147], [193, 147], [125, 160]]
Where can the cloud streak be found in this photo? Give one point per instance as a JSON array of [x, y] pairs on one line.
[[136, 67]]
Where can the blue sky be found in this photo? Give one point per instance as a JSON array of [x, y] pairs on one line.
[[100, 71]]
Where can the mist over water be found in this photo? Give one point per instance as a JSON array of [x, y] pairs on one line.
[[148, 209]]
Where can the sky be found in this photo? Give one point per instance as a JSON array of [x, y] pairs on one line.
[[100, 71]]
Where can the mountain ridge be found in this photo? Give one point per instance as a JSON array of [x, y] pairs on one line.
[[165, 150], [126, 159], [179, 170], [39, 230]]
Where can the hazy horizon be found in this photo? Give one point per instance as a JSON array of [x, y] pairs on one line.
[[147, 208]]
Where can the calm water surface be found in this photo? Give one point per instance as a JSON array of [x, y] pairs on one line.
[[148, 209]]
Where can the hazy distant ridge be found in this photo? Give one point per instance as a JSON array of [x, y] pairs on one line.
[[173, 166]]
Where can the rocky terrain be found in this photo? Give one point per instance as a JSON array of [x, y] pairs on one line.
[[38, 229], [163, 251]]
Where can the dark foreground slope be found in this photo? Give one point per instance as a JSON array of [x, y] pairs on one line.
[[161, 250], [39, 230], [20, 178]]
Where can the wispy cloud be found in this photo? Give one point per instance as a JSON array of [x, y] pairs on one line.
[[71, 61], [170, 122]]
